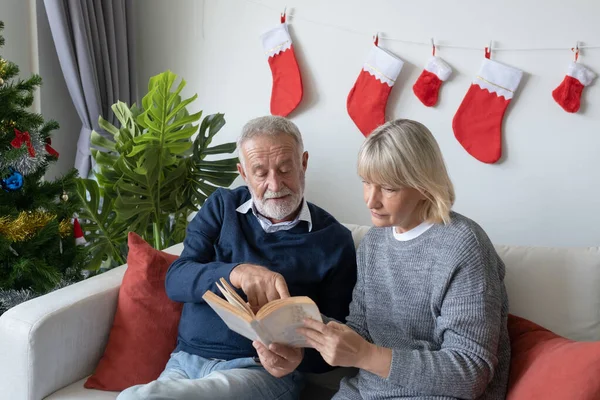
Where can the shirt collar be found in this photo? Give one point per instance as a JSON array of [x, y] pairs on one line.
[[303, 215]]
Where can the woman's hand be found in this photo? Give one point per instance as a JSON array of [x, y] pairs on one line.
[[279, 360], [338, 344]]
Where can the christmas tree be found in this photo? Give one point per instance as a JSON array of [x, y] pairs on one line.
[[38, 250]]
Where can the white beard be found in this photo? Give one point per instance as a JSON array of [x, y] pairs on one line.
[[279, 209]]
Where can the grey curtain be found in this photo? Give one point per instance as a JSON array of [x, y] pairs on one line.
[[94, 40]]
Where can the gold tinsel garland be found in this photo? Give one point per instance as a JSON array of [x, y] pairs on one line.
[[65, 229], [27, 224]]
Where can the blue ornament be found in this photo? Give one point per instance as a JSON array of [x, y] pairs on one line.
[[13, 182]]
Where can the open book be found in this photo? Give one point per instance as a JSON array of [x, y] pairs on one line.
[[275, 322]]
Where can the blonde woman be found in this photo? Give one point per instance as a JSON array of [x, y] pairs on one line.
[[428, 314]]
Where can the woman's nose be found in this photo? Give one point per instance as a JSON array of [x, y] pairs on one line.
[[372, 199]]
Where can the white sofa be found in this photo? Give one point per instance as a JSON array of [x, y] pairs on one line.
[[49, 345]]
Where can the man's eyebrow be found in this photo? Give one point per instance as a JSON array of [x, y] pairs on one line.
[[284, 162]]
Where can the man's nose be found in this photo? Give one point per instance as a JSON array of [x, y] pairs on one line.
[[274, 182]]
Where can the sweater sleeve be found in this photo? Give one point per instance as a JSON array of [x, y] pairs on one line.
[[357, 317], [469, 322], [195, 271], [335, 292]]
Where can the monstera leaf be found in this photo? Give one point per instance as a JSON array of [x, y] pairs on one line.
[[151, 171], [105, 235], [203, 176]]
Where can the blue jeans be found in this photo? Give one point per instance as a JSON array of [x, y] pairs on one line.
[[190, 377]]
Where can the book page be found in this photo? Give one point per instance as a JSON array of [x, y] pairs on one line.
[[281, 322], [235, 319], [232, 300], [232, 297]]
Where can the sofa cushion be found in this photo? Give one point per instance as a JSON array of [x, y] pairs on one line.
[[76, 391], [144, 331], [547, 366], [558, 288]]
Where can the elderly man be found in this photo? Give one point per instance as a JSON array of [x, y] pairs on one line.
[[267, 241]]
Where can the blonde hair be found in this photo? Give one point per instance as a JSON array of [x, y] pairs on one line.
[[404, 153]]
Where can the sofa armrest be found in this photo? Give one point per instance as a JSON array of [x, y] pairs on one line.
[[54, 340]]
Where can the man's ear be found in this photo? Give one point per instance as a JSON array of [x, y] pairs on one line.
[[241, 171], [305, 160]]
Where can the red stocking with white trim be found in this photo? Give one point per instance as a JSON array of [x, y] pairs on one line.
[[369, 95], [286, 93], [477, 124]]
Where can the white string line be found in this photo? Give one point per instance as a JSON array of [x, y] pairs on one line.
[[438, 45]]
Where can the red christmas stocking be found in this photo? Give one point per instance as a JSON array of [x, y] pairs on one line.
[[368, 98], [477, 124], [428, 84], [568, 93], [287, 83]]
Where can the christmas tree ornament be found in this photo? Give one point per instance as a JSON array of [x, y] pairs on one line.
[[286, 92], [1, 81], [23, 138], [65, 228], [427, 86], [477, 123], [368, 98], [27, 164], [568, 93], [49, 148], [13, 182], [64, 196], [7, 125], [78, 233], [25, 225]]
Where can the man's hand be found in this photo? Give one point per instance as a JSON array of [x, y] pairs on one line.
[[279, 360], [260, 284]]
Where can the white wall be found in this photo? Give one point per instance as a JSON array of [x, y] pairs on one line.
[[546, 189], [17, 34]]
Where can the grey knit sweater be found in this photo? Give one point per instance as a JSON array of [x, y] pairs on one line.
[[439, 302]]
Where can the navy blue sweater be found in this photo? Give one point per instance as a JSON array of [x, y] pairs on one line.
[[320, 264]]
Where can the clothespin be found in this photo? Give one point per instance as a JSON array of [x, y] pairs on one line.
[[488, 50], [432, 47], [283, 15], [576, 50], [376, 39]]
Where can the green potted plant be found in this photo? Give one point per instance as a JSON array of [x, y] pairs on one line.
[[151, 175]]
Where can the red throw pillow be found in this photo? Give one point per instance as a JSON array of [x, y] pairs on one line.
[[144, 331], [550, 367]]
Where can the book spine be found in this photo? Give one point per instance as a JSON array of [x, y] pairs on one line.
[[262, 333]]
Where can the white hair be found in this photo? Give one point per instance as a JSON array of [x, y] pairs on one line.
[[270, 125]]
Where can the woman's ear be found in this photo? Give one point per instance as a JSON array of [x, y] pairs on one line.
[[424, 196]]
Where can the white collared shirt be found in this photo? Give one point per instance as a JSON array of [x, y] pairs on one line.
[[268, 226]]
